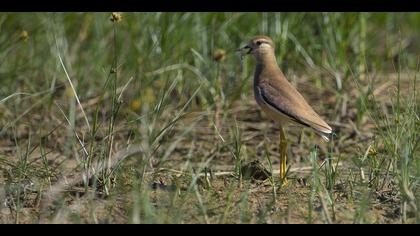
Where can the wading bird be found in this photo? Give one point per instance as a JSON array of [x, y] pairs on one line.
[[278, 98]]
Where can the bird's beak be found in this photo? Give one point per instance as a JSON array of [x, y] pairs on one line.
[[247, 47]]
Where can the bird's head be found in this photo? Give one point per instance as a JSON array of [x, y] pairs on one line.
[[258, 46]]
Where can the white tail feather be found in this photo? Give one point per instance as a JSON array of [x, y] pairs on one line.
[[324, 135]]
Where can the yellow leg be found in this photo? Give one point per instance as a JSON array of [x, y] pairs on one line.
[[283, 158]]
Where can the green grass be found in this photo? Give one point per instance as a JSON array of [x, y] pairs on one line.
[[148, 126]]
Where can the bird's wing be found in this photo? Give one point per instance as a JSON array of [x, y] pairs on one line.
[[283, 97]]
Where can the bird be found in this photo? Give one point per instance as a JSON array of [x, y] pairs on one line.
[[278, 98]]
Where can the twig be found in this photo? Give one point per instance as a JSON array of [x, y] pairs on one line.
[[223, 173]]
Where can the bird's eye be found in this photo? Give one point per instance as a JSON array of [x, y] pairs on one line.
[[259, 43]]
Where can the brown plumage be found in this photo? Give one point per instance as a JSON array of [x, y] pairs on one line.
[[278, 98], [274, 93]]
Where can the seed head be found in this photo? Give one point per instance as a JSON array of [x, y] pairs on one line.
[[397, 120], [24, 36], [372, 152], [116, 17], [219, 55]]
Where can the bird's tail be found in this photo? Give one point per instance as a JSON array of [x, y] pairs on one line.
[[324, 135]]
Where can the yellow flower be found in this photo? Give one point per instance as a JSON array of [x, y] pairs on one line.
[[24, 36], [69, 92], [135, 105], [372, 152], [219, 55], [116, 17], [397, 120]]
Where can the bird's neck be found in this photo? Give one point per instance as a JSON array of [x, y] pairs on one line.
[[266, 64]]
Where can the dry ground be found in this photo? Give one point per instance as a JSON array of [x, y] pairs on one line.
[[194, 180]]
